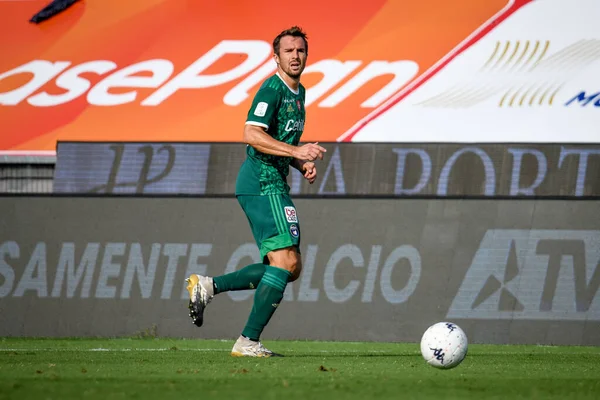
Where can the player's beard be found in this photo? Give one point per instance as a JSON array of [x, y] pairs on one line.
[[294, 73]]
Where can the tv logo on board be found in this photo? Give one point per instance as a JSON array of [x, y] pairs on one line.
[[532, 274]]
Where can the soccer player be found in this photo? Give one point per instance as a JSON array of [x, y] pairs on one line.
[[272, 132]]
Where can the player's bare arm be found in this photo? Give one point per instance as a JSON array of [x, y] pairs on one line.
[[258, 138]]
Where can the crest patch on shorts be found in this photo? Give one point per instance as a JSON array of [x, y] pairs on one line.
[[294, 231]]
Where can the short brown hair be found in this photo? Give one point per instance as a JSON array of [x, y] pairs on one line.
[[294, 31]]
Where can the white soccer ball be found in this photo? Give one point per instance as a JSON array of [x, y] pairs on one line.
[[444, 345]]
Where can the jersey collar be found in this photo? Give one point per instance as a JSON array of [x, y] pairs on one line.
[[296, 92]]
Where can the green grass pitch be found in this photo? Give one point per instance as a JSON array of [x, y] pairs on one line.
[[203, 369]]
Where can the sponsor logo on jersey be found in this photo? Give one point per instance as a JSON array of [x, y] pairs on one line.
[[292, 125]]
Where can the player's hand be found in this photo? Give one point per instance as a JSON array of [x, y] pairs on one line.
[[310, 152], [310, 171]]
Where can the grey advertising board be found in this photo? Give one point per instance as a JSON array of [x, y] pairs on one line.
[[431, 170], [127, 168], [507, 271]]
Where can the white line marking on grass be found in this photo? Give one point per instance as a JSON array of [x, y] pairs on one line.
[[101, 349]]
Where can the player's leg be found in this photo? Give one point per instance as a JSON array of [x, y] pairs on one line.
[[246, 278], [255, 208], [202, 289], [267, 299], [285, 265]]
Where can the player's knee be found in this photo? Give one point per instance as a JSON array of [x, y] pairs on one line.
[[288, 259], [297, 269], [294, 265]]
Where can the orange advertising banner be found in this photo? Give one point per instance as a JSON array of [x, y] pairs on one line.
[[179, 70]]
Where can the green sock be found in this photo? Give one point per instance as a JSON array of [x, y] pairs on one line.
[[246, 278], [267, 297]]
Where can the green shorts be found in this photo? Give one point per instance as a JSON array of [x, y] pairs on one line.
[[273, 220]]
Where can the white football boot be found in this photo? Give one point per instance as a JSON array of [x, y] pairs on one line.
[[201, 292], [248, 348]]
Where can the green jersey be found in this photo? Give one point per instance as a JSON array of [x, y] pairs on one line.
[[280, 110]]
